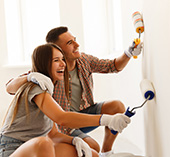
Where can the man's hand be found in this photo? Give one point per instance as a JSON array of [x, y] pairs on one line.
[[115, 122], [81, 147], [134, 51], [44, 81]]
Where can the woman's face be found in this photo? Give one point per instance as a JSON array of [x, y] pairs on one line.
[[58, 65]]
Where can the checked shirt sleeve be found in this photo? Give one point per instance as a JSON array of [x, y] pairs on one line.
[[100, 65]]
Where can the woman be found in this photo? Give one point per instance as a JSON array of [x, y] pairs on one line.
[[29, 128]]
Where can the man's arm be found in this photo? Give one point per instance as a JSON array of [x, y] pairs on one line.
[[45, 82], [121, 62], [80, 145], [14, 84]]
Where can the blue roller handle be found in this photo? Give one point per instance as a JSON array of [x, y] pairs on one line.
[[127, 113]]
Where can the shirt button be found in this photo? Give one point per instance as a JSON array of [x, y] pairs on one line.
[[81, 107]]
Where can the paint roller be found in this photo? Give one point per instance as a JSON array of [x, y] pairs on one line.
[[139, 26], [148, 93]]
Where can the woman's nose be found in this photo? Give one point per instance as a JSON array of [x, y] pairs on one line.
[[62, 63]]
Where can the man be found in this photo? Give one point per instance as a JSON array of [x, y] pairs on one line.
[[80, 67]]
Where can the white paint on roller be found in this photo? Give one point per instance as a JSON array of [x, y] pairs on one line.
[[146, 86]]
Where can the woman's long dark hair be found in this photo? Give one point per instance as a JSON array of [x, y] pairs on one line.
[[41, 62]]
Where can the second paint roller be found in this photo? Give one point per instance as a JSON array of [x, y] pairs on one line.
[[139, 27], [148, 93]]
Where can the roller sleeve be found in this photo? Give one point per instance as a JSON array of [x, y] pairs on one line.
[[138, 22], [147, 89]]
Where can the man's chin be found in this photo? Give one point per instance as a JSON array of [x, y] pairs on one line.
[[77, 52]]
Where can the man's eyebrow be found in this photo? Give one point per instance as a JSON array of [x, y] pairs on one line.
[[69, 41]]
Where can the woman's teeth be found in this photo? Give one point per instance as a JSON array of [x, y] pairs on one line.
[[60, 71]]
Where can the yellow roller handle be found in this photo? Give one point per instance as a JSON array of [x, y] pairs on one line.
[[136, 42]]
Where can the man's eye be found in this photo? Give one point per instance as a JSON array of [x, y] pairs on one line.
[[70, 42]]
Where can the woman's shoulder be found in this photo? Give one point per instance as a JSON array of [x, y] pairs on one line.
[[36, 90]]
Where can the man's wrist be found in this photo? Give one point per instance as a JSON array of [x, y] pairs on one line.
[[128, 54], [72, 141], [100, 119]]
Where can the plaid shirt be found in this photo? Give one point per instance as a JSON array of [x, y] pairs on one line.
[[86, 64]]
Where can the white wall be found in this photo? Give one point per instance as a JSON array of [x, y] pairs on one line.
[[3, 56], [71, 16], [3, 44], [156, 68]]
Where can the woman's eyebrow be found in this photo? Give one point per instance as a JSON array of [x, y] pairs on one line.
[[55, 58]]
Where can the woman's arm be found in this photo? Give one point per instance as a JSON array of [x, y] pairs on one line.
[[71, 119], [52, 109]]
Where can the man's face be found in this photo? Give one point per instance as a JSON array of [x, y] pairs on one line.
[[69, 45]]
